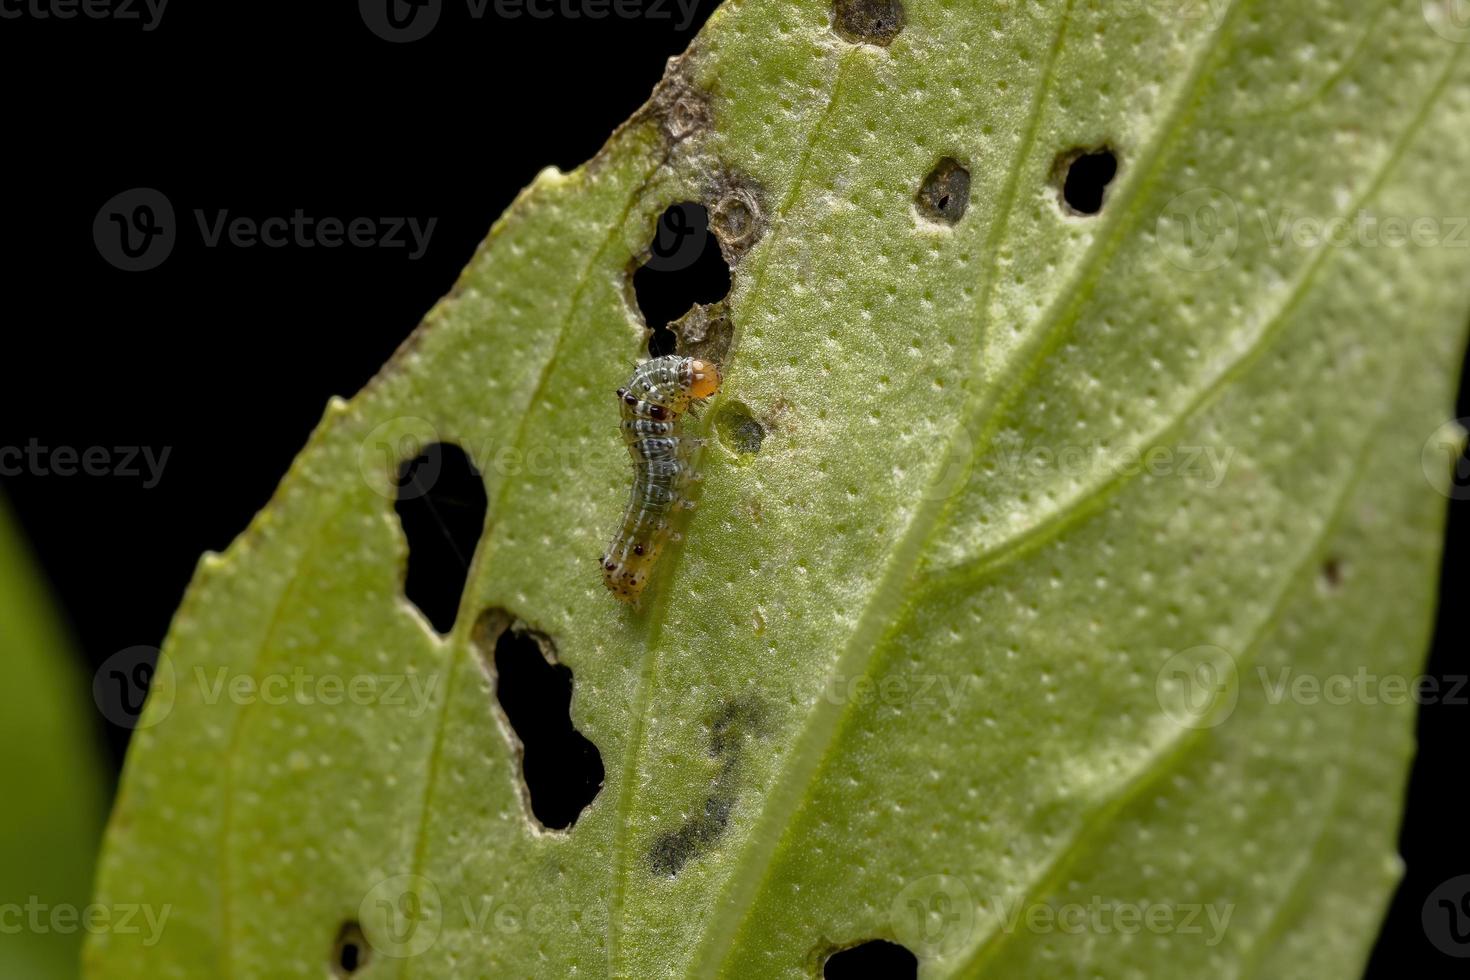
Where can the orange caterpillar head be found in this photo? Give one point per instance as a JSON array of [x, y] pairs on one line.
[[704, 379]]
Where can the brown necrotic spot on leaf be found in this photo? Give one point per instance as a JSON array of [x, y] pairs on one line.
[[1083, 177], [875, 958], [684, 267], [441, 504], [868, 21], [945, 193], [561, 769], [349, 950], [738, 429]]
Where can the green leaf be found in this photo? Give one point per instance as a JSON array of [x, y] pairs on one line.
[[929, 659], [52, 817]]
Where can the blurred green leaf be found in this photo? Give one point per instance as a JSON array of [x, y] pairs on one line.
[[52, 817]]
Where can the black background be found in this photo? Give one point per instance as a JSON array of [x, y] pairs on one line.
[[228, 355]]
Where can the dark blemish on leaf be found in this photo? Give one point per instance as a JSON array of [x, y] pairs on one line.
[[441, 505], [349, 950], [1332, 573], [945, 193], [734, 721], [868, 21], [1083, 177], [738, 430], [875, 958], [671, 851], [732, 724], [561, 770]]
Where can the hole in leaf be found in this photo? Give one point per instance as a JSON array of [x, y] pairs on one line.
[[684, 267], [441, 504], [945, 193], [738, 430], [868, 21], [561, 768], [1085, 176], [877, 958], [349, 951]]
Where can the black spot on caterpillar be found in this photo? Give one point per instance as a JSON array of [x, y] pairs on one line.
[[653, 404]]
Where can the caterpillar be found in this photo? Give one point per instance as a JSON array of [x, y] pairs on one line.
[[653, 404]]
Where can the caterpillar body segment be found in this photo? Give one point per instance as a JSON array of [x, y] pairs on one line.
[[653, 403]]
